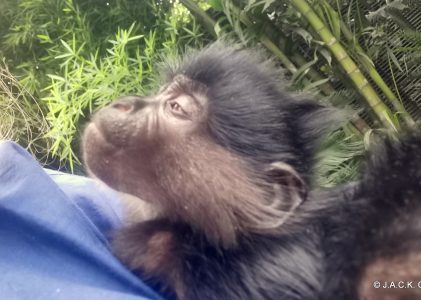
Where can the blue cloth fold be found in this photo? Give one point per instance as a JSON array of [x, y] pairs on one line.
[[53, 235]]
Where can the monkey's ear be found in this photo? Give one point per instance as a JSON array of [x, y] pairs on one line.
[[289, 189]]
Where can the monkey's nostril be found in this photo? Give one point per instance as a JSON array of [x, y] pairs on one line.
[[129, 104], [123, 106]]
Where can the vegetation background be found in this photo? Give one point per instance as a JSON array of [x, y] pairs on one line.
[[63, 59]]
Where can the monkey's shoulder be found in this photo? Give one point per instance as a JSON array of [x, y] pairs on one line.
[[260, 267]]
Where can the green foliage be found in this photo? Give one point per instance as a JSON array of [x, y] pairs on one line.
[[38, 26], [79, 55], [89, 83], [339, 159], [75, 56]]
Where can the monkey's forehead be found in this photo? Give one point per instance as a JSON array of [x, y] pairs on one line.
[[189, 85], [223, 64]]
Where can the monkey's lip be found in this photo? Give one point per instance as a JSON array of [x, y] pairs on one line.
[[93, 133], [92, 129]]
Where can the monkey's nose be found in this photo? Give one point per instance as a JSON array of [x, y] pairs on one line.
[[129, 104], [122, 106]]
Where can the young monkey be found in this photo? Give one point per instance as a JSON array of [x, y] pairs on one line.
[[223, 157]]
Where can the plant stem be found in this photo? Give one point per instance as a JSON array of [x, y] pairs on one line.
[[207, 22], [354, 73], [371, 70], [327, 88]]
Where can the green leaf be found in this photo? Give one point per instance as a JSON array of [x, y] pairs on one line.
[[216, 5], [334, 21], [304, 34], [315, 84], [365, 60], [394, 59], [66, 46], [326, 54], [304, 69], [136, 37], [217, 28], [44, 38], [56, 77]]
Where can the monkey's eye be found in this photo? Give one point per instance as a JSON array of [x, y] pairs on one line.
[[175, 106], [177, 109]]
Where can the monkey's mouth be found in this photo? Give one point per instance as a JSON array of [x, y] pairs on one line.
[[108, 137], [96, 141], [93, 131]]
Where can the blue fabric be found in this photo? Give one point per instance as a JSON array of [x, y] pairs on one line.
[[53, 235]]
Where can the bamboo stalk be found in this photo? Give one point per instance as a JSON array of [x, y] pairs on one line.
[[376, 77], [356, 121], [346, 62]]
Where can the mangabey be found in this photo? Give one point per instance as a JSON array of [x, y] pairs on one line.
[[373, 230], [218, 154]]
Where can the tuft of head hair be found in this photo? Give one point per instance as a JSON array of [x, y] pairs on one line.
[[393, 173]]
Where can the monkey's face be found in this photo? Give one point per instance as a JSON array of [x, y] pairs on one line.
[[204, 150], [125, 140]]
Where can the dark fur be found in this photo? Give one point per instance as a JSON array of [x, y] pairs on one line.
[[375, 235], [259, 267], [318, 253]]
